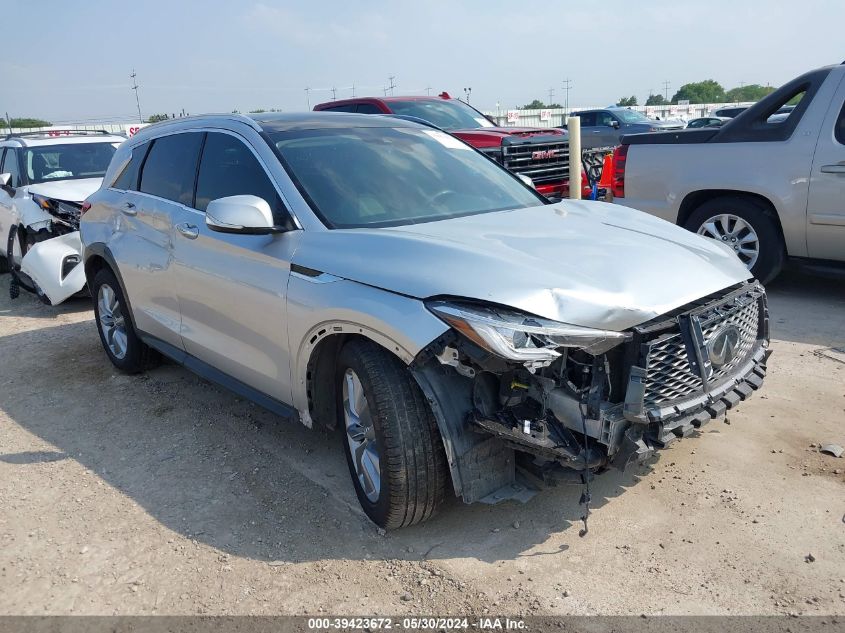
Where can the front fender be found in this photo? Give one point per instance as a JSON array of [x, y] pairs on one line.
[[323, 305]]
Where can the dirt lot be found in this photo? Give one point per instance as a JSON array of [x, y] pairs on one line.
[[164, 494]]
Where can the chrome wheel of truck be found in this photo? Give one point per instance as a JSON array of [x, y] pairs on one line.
[[749, 226], [736, 233]]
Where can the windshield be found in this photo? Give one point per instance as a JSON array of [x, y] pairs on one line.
[[631, 116], [447, 115], [371, 177], [70, 161]]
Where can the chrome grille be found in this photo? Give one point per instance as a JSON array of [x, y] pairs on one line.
[[669, 374], [522, 159]]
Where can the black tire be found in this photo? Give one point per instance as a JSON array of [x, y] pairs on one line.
[[760, 217], [412, 462], [138, 356]]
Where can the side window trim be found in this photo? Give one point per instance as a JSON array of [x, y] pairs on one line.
[[197, 172]]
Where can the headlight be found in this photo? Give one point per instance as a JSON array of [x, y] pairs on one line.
[[518, 336]]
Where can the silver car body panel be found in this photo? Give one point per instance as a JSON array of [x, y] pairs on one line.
[[550, 261], [321, 307], [258, 307]]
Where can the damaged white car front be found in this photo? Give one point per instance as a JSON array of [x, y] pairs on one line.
[[41, 201]]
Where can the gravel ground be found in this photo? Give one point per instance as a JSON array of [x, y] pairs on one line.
[[163, 494]]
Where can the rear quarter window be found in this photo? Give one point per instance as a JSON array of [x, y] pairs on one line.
[[127, 179], [839, 131]]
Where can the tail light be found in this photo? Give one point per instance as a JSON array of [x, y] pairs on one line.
[[85, 206], [620, 156]]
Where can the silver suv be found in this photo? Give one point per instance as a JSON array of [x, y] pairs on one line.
[[383, 277]]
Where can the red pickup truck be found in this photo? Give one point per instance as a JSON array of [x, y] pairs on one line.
[[542, 154]]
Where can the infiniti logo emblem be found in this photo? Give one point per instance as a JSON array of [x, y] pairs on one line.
[[723, 347]]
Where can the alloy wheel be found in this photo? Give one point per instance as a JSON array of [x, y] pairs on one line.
[[736, 233], [361, 436], [112, 321]]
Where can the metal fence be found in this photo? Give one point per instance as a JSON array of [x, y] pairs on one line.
[[114, 128], [555, 117]]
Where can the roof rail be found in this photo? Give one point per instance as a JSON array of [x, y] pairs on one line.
[[59, 132]]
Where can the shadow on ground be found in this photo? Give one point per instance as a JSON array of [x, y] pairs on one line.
[[216, 468]]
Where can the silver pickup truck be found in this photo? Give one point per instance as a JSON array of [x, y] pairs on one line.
[[771, 187]]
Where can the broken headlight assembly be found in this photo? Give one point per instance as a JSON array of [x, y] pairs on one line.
[[518, 336]]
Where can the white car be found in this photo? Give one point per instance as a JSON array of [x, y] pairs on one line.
[[45, 177]]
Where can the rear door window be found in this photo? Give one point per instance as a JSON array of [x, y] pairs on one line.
[[349, 107], [171, 166], [229, 168], [588, 119], [840, 126], [368, 108]]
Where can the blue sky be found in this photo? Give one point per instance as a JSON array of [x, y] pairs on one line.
[[71, 60]]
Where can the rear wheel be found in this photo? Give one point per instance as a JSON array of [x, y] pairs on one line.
[[392, 444], [746, 226], [122, 344]]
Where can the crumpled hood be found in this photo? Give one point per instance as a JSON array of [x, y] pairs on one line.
[[585, 263], [68, 190]]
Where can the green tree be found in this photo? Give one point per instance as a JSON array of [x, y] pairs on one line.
[[751, 92], [155, 118], [26, 122], [656, 100], [707, 91], [627, 101], [534, 105]]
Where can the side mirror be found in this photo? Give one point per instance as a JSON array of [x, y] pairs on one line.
[[526, 180], [5, 179], [614, 124], [244, 214]]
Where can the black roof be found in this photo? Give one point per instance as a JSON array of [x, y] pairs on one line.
[[283, 121]]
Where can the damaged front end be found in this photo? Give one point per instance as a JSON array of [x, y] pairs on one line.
[[44, 250], [524, 402]]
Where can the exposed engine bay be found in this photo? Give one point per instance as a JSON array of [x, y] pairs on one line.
[[527, 403], [43, 251]]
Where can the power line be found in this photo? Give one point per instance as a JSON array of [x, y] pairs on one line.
[[567, 85], [137, 100]]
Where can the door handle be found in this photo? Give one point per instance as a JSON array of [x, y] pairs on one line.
[[128, 208], [833, 169], [188, 230]]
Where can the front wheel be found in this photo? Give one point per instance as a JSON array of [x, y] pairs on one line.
[[390, 437], [746, 226]]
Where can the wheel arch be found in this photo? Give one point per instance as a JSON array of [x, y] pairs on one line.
[[97, 257], [695, 199], [318, 406]]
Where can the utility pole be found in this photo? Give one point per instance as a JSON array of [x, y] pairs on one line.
[[392, 84], [551, 96], [353, 90], [428, 90], [467, 93], [567, 85], [308, 97], [334, 93], [666, 85], [137, 100]]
